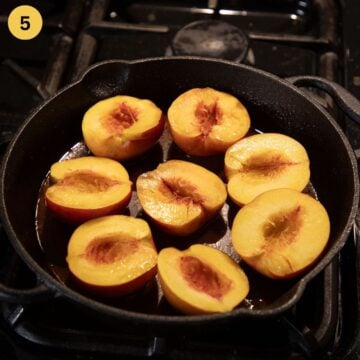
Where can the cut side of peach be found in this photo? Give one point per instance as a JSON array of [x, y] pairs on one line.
[[263, 162], [122, 127], [201, 280], [87, 187], [180, 196], [281, 233], [112, 255], [204, 121]]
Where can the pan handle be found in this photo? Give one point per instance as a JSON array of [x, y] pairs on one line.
[[38, 293], [344, 99]]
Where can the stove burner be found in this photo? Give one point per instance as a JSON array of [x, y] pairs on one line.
[[211, 38]]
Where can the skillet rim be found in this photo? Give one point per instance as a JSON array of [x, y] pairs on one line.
[[61, 290]]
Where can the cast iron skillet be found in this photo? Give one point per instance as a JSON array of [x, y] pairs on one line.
[[275, 105]]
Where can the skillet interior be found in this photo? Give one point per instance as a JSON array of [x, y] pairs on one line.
[[273, 106]]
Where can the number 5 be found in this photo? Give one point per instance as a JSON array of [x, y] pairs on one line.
[[25, 23]]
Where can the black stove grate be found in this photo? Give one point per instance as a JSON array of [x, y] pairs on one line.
[[32, 70], [140, 29]]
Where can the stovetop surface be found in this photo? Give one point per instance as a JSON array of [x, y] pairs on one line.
[[286, 38]]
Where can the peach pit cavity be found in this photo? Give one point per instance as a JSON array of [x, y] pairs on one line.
[[203, 278], [282, 228], [121, 118], [266, 164], [87, 181], [208, 116], [106, 250]]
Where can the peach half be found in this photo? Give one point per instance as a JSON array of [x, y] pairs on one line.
[[281, 233], [263, 162], [122, 127], [204, 121], [87, 187], [180, 196], [201, 280], [112, 255]]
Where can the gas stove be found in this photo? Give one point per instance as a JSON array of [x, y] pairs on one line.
[[286, 38]]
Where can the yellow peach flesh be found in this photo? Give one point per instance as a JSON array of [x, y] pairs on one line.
[[122, 126], [263, 162], [111, 250], [204, 121], [88, 183], [180, 195], [281, 232], [164, 205], [201, 280]]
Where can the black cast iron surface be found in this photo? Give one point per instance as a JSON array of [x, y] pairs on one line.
[[99, 83]]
